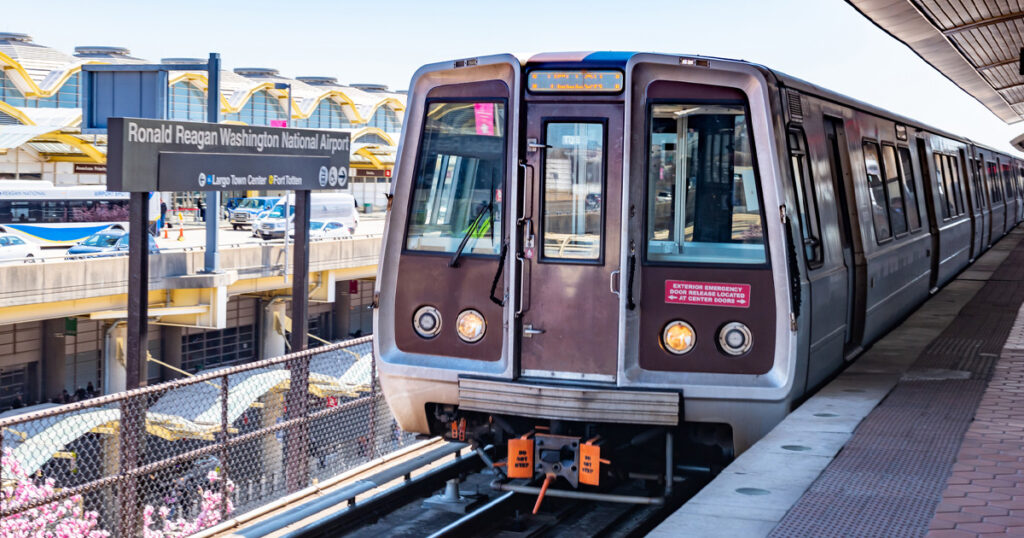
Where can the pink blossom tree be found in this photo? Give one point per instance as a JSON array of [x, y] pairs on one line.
[[210, 513], [60, 519]]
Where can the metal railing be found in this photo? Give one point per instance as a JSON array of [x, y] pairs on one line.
[[180, 456]]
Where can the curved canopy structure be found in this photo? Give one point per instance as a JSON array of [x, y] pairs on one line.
[[974, 43]]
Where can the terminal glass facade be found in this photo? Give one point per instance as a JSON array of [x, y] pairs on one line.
[[187, 102], [328, 115], [260, 109], [386, 120], [68, 96]]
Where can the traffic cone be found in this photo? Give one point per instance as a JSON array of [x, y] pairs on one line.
[[165, 232], [181, 232]]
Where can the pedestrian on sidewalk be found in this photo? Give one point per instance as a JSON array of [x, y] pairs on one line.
[[202, 210]]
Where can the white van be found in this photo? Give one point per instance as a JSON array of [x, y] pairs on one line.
[[338, 206]]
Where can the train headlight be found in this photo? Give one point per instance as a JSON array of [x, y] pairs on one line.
[[470, 325], [427, 321], [735, 338], [678, 337]]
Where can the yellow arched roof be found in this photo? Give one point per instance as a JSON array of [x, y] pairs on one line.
[[372, 130], [35, 90], [390, 102]]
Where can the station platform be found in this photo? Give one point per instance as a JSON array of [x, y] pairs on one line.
[[922, 435]]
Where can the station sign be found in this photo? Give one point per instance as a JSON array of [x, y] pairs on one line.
[[160, 155]]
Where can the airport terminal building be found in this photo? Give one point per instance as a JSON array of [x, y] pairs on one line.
[[62, 324]]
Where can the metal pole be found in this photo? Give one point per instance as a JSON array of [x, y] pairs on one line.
[[138, 287], [212, 257], [300, 282], [298, 436], [286, 205], [287, 209]]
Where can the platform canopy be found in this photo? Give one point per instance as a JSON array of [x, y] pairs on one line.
[[974, 43]]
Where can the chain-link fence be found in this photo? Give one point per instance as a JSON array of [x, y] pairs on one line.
[[174, 458]]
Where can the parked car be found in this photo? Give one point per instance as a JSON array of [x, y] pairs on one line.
[[109, 242], [326, 229], [337, 206], [13, 247], [249, 208]]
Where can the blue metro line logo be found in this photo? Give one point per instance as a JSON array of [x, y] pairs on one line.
[[205, 179]]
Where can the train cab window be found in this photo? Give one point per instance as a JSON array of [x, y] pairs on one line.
[[459, 179], [876, 191], [894, 191], [910, 187], [573, 191], [703, 199], [803, 184]]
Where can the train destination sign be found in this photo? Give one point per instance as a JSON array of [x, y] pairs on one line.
[[707, 293], [160, 155], [547, 81]]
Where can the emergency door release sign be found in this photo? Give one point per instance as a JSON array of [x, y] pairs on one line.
[[707, 293]]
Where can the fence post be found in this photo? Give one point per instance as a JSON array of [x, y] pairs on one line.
[[297, 437], [132, 422], [224, 449]]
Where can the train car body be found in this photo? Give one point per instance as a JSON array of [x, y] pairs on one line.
[[628, 240]]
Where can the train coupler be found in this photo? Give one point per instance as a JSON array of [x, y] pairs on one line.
[[554, 456]]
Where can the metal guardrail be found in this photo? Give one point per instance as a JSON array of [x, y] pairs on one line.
[[174, 458]]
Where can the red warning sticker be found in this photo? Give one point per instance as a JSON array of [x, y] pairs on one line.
[[707, 293]]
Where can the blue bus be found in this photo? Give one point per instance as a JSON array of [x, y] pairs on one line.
[[59, 216]]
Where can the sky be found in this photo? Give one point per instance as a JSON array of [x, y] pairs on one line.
[[822, 41]]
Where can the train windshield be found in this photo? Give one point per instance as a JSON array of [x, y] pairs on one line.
[[703, 190], [458, 183]]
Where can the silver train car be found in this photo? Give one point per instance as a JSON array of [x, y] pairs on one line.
[[614, 244]]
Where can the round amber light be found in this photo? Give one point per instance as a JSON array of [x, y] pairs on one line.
[[470, 326], [678, 337]]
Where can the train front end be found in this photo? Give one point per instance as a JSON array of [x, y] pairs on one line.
[[587, 252]]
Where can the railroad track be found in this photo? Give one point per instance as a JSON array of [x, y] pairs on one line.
[[447, 489]]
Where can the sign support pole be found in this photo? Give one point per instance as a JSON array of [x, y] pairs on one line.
[[212, 256], [300, 274], [138, 287], [298, 398]]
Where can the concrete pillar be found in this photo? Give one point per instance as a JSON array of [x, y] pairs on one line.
[[273, 444], [114, 372], [342, 310], [53, 359], [273, 341], [170, 349]]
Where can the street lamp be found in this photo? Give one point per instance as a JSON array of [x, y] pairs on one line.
[[287, 201]]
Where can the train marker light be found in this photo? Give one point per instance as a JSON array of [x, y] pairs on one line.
[[735, 338], [678, 337], [470, 325], [427, 322]]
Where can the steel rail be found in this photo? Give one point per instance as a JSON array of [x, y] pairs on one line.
[[330, 525]]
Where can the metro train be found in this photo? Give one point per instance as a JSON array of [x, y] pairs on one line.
[[632, 246]]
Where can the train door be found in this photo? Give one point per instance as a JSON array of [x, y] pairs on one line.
[[572, 185], [933, 217], [986, 203], [842, 184]]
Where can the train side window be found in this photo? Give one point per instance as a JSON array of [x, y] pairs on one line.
[[910, 187], [1010, 191], [803, 184], [703, 199], [894, 191], [979, 183], [993, 182], [941, 184], [954, 182], [876, 191]]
